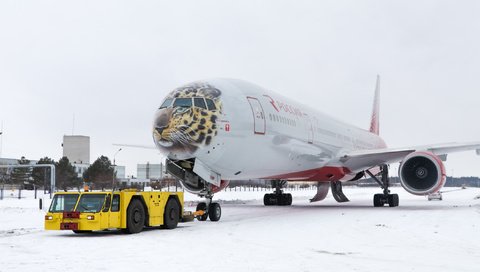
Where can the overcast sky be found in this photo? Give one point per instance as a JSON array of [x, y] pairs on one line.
[[110, 63]]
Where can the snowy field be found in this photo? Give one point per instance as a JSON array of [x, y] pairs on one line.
[[419, 235]]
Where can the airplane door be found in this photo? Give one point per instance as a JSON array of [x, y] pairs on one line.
[[258, 115]]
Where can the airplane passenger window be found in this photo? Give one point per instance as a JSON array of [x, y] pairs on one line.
[[199, 102], [166, 103], [270, 115], [210, 104], [182, 102]]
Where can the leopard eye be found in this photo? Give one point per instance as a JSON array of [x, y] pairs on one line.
[[181, 110]]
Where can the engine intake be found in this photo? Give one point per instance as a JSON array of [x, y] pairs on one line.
[[422, 173]]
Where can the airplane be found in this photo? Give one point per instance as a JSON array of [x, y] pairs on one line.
[[217, 130]]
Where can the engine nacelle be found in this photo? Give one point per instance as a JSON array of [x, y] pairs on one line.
[[422, 173]]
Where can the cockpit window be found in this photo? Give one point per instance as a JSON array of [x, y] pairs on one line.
[[199, 102], [210, 104], [166, 103], [182, 102]]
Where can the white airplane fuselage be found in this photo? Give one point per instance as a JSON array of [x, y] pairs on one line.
[[259, 134]]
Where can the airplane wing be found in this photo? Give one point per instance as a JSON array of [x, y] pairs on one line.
[[364, 159], [136, 146]]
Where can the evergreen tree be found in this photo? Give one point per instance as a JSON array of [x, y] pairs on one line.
[[41, 175], [100, 173], [20, 176], [65, 174]]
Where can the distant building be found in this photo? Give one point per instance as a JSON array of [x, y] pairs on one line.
[[80, 168], [128, 182], [77, 149], [150, 171]]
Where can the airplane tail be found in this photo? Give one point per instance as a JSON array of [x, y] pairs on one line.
[[374, 123]]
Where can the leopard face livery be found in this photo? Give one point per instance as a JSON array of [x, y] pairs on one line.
[[187, 119]]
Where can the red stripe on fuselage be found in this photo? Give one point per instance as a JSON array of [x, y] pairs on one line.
[[327, 173]]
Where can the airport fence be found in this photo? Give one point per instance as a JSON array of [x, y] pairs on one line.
[[18, 192]]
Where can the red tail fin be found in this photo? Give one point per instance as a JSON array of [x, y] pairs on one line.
[[374, 123]]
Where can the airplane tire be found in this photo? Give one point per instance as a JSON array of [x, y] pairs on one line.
[[393, 200], [266, 200], [283, 200], [171, 214], [202, 206], [270, 199], [289, 199], [377, 200], [214, 212], [135, 217]]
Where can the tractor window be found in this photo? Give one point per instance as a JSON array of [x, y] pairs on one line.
[[182, 102], [108, 201], [91, 203], [63, 203], [167, 103], [210, 104], [199, 102], [116, 203]]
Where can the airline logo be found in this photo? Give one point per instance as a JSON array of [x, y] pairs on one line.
[[280, 106]]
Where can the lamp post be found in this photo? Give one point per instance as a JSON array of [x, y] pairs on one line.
[[113, 175]]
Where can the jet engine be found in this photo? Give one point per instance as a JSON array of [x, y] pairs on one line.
[[422, 173]]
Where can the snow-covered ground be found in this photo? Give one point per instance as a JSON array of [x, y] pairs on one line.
[[419, 235]]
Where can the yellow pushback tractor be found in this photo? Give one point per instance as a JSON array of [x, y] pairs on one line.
[[128, 210]]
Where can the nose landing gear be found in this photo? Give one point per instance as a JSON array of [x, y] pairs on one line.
[[210, 210]]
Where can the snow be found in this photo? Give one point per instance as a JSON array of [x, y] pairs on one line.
[[419, 235]]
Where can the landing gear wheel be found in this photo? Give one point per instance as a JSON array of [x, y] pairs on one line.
[[135, 217], [277, 199], [214, 212], [285, 199], [171, 216], [393, 200], [289, 199], [202, 206], [269, 200], [377, 200]]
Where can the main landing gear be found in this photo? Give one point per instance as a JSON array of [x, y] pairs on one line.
[[379, 200], [278, 198], [211, 210]]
